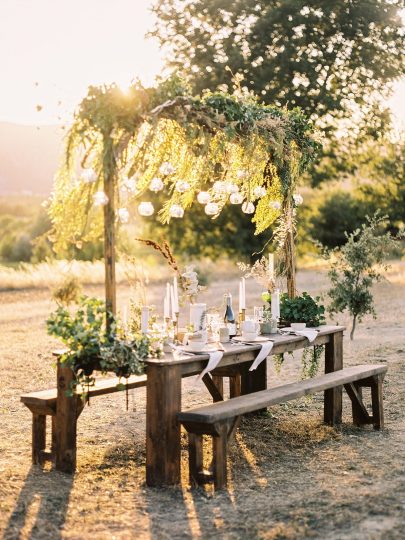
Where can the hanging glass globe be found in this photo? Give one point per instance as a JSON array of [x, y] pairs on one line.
[[259, 191], [298, 199], [129, 184], [182, 186], [248, 207], [212, 209], [276, 205], [176, 211], [123, 215], [219, 187], [236, 198], [88, 176], [156, 184], [231, 188], [203, 197], [100, 198], [166, 168], [145, 209], [241, 173]]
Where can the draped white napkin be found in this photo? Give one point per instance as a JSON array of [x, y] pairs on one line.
[[215, 358], [264, 353], [309, 333]]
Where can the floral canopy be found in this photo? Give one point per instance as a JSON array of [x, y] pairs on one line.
[[213, 150]]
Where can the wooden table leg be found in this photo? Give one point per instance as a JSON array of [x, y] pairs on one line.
[[333, 397], [254, 381], [163, 402], [67, 412]]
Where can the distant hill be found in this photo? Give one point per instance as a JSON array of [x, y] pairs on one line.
[[29, 157]]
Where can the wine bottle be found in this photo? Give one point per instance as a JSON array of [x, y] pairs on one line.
[[229, 317]]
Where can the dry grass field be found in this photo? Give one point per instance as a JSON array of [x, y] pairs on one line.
[[290, 477]]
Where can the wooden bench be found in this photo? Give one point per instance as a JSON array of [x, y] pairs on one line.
[[43, 404], [220, 419]]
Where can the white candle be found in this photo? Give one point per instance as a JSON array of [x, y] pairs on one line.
[[242, 297], [275, 304], [176, 295], [244, 293], [167, 302], [271, 266], [172, 302], [144, 320]]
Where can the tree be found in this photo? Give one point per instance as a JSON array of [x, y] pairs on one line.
[[329, 58], [356, 267]]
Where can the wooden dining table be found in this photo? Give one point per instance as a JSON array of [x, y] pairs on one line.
[[164, 391]]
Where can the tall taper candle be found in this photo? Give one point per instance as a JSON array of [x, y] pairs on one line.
[[176, 295], [275, 304], [172, 303]]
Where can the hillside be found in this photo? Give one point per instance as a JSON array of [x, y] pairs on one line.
[[29, 156]]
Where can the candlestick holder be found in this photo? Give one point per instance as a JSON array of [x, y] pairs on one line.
[[242, 315], [167, 321], [176, 325]]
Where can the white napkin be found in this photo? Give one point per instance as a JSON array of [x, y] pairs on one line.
[[215, 358], [309, 333], [264, 353]]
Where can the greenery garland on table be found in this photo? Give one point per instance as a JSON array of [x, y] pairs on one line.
[[216, 143], [90, 346]]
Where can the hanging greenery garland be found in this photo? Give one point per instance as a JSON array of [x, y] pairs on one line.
[[216, 149]]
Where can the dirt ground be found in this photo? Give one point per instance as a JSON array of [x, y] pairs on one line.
[[290, 477]]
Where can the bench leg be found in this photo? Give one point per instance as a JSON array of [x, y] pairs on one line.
[[38, 437], [377, 402], [333, 397], [359, 411], [195, 457], [219, 444]]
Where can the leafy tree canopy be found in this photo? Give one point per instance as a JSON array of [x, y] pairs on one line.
[[329, 58]]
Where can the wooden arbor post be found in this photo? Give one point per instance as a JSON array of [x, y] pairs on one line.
[[289, 251], [109, 246]]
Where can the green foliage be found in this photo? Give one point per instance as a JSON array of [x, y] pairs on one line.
[[340, 212], [356, 267], [326, 57], [311, 357], [208, 138], [89, 344], [304, 308]]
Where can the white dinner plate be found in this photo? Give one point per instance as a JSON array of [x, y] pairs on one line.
[[258, 339], [204, 350]]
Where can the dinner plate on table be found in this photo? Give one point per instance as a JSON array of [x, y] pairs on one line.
[[258, 339], [204, 350]]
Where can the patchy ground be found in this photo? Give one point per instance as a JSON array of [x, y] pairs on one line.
[[290, 477]]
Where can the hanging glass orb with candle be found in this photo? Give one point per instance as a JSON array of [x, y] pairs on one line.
[[203, 197], [182, 186], [100, 198], [166, 168], [248, 207], [259, 191], [219, 187], [88, 176], [176, 211], [275, 205], [123, 215], [156, 184], [230, 188], [212, 209], [146, 209], [241, 173], [236, 198]]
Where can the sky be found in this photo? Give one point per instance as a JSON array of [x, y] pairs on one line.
[[52, 50]]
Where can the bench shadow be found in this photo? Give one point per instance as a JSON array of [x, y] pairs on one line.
[[42, 504]]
